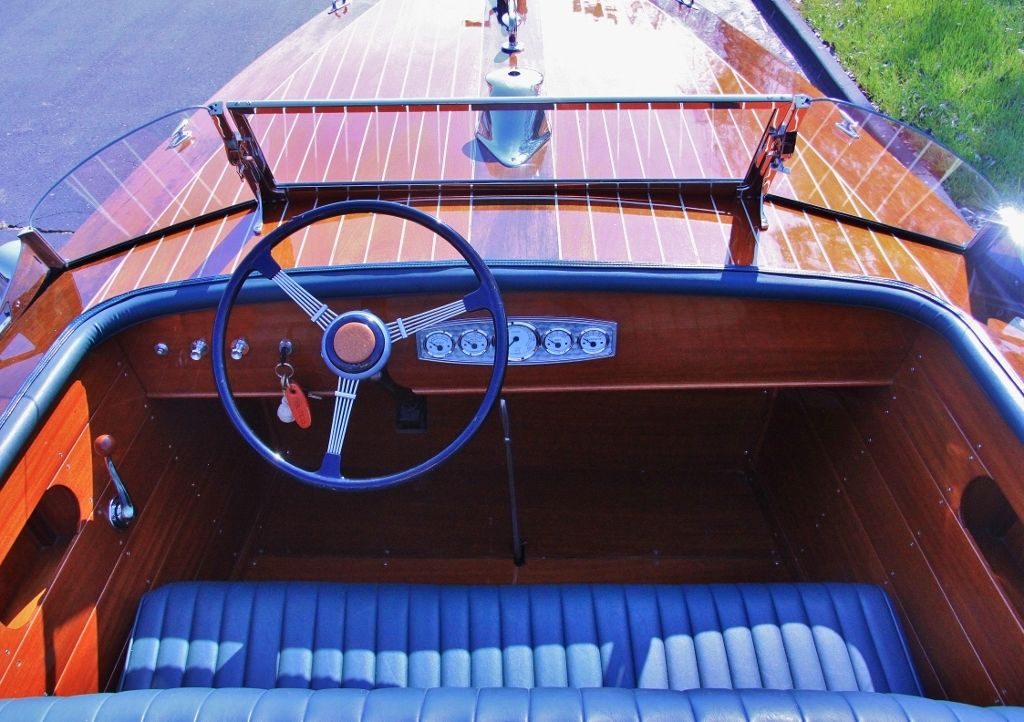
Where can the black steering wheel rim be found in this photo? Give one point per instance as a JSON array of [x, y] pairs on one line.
[[486, 296]]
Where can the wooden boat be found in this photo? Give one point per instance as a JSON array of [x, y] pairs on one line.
[[758, 358]]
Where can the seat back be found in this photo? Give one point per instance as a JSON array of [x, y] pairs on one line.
[[323, 635]]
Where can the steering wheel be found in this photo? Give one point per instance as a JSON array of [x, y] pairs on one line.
[[356, 345]]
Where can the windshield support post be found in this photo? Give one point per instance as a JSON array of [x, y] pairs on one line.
[[43, 250], [244, 153], [777, 144]]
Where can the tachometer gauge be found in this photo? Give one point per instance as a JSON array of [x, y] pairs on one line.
[[522, 341], [474, 342], [593, 341], [439, 344], [558, 342]]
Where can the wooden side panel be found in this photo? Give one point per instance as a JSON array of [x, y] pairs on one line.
[[895, 462], [72, 641], [104, 398], [875, 480]]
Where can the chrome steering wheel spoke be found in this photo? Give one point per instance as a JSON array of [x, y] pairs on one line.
[[318, 312], [344, 399], [405, 327], [473, 301]]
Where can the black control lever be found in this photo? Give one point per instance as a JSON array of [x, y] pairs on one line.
[[518, 546], [411, 409]]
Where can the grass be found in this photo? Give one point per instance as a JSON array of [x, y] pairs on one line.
[[952, 67]]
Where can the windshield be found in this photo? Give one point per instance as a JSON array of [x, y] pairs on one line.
[[163, 173], [845, 160]]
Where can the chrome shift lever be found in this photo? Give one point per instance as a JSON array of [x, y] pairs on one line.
[[121, 510]]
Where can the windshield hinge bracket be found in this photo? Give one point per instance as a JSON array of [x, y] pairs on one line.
[[244, 153]]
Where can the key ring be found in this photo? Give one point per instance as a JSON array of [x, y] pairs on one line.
[[284, 371]]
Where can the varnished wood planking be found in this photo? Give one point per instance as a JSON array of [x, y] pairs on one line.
[[501, 570], [825, 535], [902, 458], [585, 229], [617, 231], [335, 57], [72, 641], [818, 244], [574, 492], [872, 481], [985, 435], [99, 378], [183, 538], [959, 569], [827, 540]]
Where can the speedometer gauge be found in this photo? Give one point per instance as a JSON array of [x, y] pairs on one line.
[[522, 341]]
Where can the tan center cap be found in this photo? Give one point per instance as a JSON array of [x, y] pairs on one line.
[[354, 342]]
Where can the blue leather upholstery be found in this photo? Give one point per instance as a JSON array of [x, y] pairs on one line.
[[321, 635], [471, 705]]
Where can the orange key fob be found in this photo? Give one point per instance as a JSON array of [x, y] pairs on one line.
[[299, 405]]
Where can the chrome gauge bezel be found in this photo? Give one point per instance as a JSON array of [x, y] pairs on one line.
[[476, 331], [561, 351], [426, 348], [520, 348], [593, 331]]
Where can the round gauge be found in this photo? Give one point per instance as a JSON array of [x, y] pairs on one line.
[[558, 342], [474, 342], [439, 344], [593, 341], [522, 341]]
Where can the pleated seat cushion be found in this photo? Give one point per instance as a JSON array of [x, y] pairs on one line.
[[468, 705], [322, 635]]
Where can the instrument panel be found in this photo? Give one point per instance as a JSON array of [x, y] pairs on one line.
[[531, 340]]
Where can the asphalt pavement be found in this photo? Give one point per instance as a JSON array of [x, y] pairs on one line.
[[74, 75]]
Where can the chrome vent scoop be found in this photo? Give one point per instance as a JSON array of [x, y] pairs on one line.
[[513, 136]]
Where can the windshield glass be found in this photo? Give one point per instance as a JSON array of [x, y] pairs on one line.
[[165, 172], [858, 162], [508, 140]]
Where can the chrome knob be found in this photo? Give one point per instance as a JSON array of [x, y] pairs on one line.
[[161, 349], [199, 349], [239, 348]]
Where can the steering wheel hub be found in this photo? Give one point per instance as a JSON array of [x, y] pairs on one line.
[[356, 345]]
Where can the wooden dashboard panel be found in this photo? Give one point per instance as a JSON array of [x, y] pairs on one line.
[[663, 342]]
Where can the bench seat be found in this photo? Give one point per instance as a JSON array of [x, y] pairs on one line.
[[472, 705], [839, 637]]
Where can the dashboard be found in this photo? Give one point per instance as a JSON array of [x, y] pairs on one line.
[[618, 341]]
